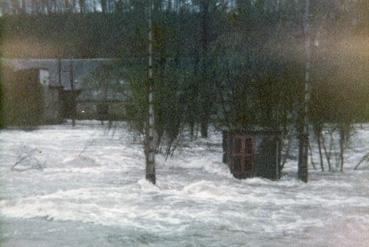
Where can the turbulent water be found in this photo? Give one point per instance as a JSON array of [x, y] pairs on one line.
[[83, 186]]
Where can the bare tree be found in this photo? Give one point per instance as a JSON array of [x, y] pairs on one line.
[[304, 136], [104, 5], [204, 87], [82, 6], [149, 138]]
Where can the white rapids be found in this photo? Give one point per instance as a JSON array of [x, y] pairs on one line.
[[84, 186]]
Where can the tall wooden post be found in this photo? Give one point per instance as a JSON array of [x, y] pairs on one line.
[[150, 142], [304, 136]]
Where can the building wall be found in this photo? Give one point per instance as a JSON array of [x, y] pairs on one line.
[[52, 105], [29, 99], [89, 110], [23, 98]]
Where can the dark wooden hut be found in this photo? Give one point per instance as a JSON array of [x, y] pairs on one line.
[[251, 153]]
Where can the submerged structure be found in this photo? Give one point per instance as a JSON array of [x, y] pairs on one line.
[[42, 91], [29, 99], [252, 153]]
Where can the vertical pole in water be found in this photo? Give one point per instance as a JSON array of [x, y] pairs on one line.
[[59, 71], [73, 103], [150, 148], [304, 139], [60, 107]]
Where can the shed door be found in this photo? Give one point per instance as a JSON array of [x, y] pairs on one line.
[[243, 164]]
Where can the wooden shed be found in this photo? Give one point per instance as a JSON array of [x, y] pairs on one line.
[[251, 153]]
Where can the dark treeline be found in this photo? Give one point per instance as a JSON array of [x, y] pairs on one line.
[[233, 64]]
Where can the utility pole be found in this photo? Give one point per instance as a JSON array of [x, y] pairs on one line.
[[304, 136], [149, 138]]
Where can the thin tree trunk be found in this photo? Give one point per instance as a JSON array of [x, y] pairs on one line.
[[286, 154], [204, 127], [304, 137], [311, 157], [194, 91], [342, 147], [104, 5], [365, 158], [150, 153], [223, 104], [82, 6], [327, 155], [192, 128], [105, 102], [319, 135], [204, 94], [169, 5]]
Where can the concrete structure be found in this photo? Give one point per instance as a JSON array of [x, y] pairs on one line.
[[60, 71], [24, 101], [61, 81]]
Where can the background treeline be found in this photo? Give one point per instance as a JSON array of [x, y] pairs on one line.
[[233, 64]]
